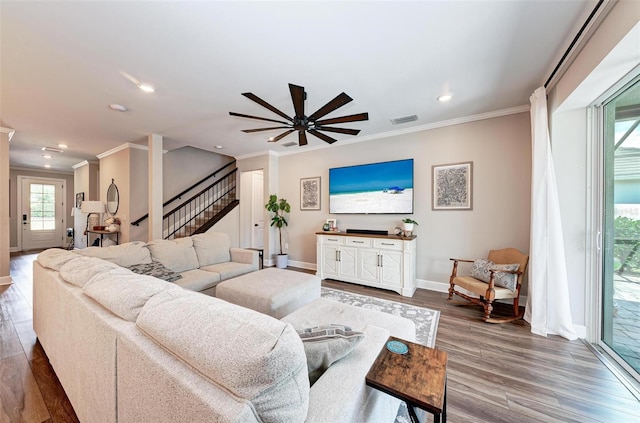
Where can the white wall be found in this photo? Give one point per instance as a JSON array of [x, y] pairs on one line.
[[500, 149]]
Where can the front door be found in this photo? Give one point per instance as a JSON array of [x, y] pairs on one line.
[[41, 217]]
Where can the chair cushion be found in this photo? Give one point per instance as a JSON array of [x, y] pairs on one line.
[[480, 270], [480, 287], [177, 254], [324, 345]]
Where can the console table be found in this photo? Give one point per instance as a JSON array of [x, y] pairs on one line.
[[380, 261], [102, 234]]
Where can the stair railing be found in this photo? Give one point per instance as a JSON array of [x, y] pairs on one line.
[[186, 219], [179, 195]]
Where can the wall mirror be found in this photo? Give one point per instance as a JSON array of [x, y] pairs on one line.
[[113, 198]]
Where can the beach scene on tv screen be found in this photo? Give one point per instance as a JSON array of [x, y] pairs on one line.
[[372, 188]]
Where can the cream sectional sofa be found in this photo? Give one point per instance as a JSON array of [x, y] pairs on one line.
[[133, 348], [202, 260]]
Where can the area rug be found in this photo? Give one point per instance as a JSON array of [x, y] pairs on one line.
[[426, 321]]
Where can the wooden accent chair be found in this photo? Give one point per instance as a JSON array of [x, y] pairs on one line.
[[488, 291]]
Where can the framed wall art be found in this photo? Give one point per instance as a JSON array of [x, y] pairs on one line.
[[310, 193], [452, 186], [79, 199]]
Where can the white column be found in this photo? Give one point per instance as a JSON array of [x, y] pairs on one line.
[[5, 265], [155, 186]]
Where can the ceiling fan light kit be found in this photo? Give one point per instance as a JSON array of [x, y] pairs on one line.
[[302, 123]]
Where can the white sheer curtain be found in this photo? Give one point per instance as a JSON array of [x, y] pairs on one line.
[[548, 309]]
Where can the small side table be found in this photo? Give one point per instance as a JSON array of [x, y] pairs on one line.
[[418, 377], [260, 255], [102, 234]]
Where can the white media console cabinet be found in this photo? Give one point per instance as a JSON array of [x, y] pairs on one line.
[[380, 261]]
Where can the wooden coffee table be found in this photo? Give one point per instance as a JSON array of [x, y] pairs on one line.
[[418, 377]]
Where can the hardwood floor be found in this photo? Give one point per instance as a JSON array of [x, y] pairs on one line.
[[496, 373]]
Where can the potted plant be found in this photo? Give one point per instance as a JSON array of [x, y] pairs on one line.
[[279, 207], [407, 225]]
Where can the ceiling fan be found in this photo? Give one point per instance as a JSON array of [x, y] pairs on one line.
[[303, 123]]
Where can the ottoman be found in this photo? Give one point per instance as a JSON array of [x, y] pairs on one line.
[[272, 291]]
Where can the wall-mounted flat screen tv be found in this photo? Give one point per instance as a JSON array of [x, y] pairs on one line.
[[372, 188]]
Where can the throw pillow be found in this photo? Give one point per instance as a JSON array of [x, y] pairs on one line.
[[155, 269], [480, 270], [324, 345]]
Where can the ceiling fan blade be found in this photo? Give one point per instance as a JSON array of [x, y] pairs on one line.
[[340, 100], [256, 117], [264, 104], [281, 136], [344, 119], [297, 97], [338, 130], [248, 131], [323, 137], [302, 138]]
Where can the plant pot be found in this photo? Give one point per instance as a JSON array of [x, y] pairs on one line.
[[408, 227], [282, 261]]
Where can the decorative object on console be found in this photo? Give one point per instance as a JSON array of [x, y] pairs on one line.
[[310, 193], [333, 224], [452, 186], [303, 123], [279, 208], [93, 209], [407, 226]]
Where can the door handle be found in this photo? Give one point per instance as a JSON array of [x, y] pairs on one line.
[[255, 224]]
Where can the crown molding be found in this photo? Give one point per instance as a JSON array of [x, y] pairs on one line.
[[84, 163], [258, 154], [420, 128], [33, 169]]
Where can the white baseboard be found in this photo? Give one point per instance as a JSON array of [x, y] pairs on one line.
[[5, 280], [303, 265], [14, 249], [432, 285]]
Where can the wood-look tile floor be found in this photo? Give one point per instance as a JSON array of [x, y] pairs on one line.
[[496, 373]]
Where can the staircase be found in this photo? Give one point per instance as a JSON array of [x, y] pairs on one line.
[[203, 210]]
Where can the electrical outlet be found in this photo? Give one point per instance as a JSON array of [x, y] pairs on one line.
[[286, 245]]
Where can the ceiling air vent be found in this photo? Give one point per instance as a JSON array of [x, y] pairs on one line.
[[289, 144], [404, 119], [52, 150]]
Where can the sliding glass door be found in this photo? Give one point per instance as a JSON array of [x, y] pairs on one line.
[[620, 287]]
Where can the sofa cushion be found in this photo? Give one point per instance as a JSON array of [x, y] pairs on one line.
[[212, 248], [229, 269], [124, 294], [81, 269], [55, 258], [126, 254], [198, 280], [176, 254], [251, 355], [324, 345], [155, 269]]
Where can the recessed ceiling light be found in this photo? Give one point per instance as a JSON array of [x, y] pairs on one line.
[[218, 147], [46, 156], [146, 87], [62, 145], [118, 107], [47, 166], [445, 97]]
